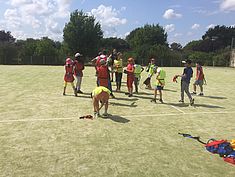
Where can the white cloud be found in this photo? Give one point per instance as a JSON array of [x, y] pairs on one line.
[[108, 18], [178, 34], [170, 28], [195, 26], [227, 5], [170, 14], [210, 26], [41, 15]]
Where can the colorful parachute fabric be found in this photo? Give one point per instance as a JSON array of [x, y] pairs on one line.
[[225, 149]]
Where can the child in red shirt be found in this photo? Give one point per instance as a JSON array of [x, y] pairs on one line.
[[103, 74], [68, 77], [130, 76]]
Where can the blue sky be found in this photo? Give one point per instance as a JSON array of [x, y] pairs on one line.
[[184, 20]]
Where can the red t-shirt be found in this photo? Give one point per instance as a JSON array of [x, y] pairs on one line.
[[68, 77], [199, 73], [78, 67], [103, 72], [130, 67]]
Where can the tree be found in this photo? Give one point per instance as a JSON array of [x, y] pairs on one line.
[[147, 35], [45, 47], [8, 49], [220, 36], [82, 33], [144, 38], [176, 46], [6, 36], [114, 43]]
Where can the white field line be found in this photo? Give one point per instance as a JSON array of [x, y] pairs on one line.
[[178, 109], [132, 116]]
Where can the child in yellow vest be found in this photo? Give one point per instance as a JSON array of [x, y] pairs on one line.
[[160, 83]]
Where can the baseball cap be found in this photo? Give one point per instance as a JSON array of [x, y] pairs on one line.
[[78, 55], [187, 61], [68, 61]]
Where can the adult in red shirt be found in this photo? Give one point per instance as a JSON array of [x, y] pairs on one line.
[[103, 74], [78, 71], [130, 76], [199, 79]]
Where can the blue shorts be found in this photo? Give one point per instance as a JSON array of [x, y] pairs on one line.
[[159, 88], [198, 82]]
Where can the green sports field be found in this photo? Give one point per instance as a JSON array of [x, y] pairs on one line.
[[41, 133]]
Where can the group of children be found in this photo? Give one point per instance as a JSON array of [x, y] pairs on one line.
[[74, 68], [106, 66]]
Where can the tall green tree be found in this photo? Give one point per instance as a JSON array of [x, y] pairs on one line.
[[220, 36], [147, 35], [82, 33], [142, 39], [114, 43], [45, 47], [6, 36]]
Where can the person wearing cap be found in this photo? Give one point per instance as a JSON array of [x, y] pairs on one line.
[[104, 57], [151, 70], [100, 95], [138, 69], [185, 81], [103, 74], [68, 77], [199, 79], [78, 71], [160, 83], [130, 76], [118, 68]]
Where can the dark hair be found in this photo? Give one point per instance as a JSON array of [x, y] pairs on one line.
[[199, 62], [188, 61], [104, 52]]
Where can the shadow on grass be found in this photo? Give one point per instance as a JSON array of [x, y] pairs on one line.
[[195, 105], [207, 106], [133, 105], [118, 119], [177, 104], [215, 97], [142, 97], [127, 99], [145, 93], [169, 90]]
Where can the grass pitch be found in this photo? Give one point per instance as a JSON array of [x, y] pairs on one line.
[[41, 133]]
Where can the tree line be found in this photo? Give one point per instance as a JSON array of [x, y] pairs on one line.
[[83, 34]]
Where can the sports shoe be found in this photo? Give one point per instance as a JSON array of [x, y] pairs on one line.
[[64, 94], [194, 93], [96, 115], [153, 100], [105, 115], [161, 101], [79, 91], [130, 95], [192, 102], [201, 94], [112, 96], [181, 101]]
